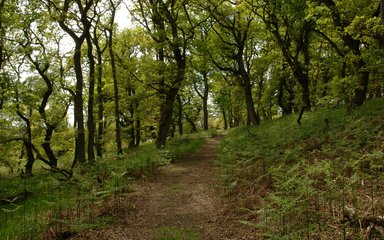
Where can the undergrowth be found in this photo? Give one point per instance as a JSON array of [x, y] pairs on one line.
[[321, 180], [48, 206]]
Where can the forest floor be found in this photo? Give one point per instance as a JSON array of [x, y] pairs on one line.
[[183, 200]]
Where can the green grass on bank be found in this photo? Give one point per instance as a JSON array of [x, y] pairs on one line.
[[321, 180], [46, 206]]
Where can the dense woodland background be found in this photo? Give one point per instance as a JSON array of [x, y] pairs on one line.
[[182, 66], [76, 88]]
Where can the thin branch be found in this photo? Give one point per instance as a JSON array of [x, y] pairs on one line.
[[332, 43]]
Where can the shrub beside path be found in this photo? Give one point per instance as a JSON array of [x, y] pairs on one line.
[[182, 200]]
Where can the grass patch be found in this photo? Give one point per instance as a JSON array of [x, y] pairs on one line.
[[321, 180], [55, 208], [177, 147]]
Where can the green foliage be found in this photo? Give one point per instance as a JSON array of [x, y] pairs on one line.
[[306, 182], [55, 205], [221, 39], [182, 145]]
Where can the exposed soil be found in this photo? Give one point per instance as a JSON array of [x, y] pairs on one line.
[[183, 201]]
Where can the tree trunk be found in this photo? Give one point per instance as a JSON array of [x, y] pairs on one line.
[[235, 118], [304, 82], [302, 78], [138, 127], [2, 85], [30, 157], [91, 97], [166, 112], [160, 15], [47, 146], [27, 140], [231, 118], [252, 117], [49, 128], [204, 98], [361, 91], [1, 46], [205, 102], [192, 123], [166, 107], [78, 107], [180, 115], [29, 148], [285, 107], [100, 112], [225, 119], [115, 93], [343, 69], [378, 82], [110, 40], [381, 35], [131, 122], [172, 130], [78, 96]]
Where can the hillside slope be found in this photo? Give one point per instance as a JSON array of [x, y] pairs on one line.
[[321, 180]]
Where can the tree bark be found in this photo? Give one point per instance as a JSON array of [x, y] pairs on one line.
[[252, 117], [285, 107], [172, 130], [180, 115], [2, 85], [232, 123], [115, 84], [166, 107], [49, 128], [138, 128], [131, 121], [175, 37], [27, 140], [205, 102], [179, 51], [78, 108], [166, 112], [91, 97], [47, 147], [1, 44], [361, 91], [192, 123], [204, 98], [100, 103], [30, 157], [79, 156], [225, 119], [303, 79]]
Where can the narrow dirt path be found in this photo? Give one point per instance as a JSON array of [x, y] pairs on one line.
[[183, 201]]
